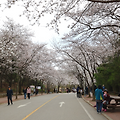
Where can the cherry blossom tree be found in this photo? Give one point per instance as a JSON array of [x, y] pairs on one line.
[[12, 37], [94, 35], [83, 59]]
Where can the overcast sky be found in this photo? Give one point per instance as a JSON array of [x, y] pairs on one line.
[[41, 33]]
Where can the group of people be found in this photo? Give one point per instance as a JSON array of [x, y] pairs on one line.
[[102, 99], [26, 91]]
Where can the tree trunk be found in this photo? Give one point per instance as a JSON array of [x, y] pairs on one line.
[[16, 90], [20, 87], [41, 87], [93, 92], [1, 82], [58, 87]]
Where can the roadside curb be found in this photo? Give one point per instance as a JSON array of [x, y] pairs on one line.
[[94, 108]]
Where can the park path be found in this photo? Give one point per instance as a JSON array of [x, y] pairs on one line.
[[110, 114], [62, 106]]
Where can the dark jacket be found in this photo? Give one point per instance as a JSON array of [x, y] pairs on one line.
[[24, 90], [78, 89], [9, 92], [107, 98]]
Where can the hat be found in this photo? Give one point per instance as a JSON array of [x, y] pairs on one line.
[[8, 86], [105, 90]]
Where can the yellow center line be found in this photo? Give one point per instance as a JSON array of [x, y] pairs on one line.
[[39, 108]]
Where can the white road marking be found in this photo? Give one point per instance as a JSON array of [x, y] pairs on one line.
[[23, 105], [91, 118], [61, 103]]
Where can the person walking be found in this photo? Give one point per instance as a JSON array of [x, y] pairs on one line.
[[9, 95], [78, 92], [25, 92], [28, 92], [99, 98]]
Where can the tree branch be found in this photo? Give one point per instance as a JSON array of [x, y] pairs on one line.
[[104, 1]]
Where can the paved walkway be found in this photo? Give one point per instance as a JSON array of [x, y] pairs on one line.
[[110, 114]]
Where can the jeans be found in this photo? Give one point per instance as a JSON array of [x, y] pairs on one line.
[[99, 106], [24, 95]]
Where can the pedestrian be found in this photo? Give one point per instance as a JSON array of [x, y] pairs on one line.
[[99, 98], [36, 91], [78, 91], [9, 95], [25, 92], [103, 87], [54, 90], [28, 92], [106, 100], [67, 90], [86, 90]]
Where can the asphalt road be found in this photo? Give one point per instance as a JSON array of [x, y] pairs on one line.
[[62, 106]]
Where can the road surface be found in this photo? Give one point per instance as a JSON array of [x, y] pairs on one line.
[[64, 106]]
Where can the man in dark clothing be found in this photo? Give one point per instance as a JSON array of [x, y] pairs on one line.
[[78, 92], [9, 95], [25, 92]]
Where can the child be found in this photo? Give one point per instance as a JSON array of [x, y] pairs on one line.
[[106, 100]]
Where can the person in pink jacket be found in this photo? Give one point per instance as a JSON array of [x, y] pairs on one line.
[[28, 92]]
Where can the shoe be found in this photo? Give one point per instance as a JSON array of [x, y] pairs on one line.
[[105, 110], [99, 112], [8, 104]]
